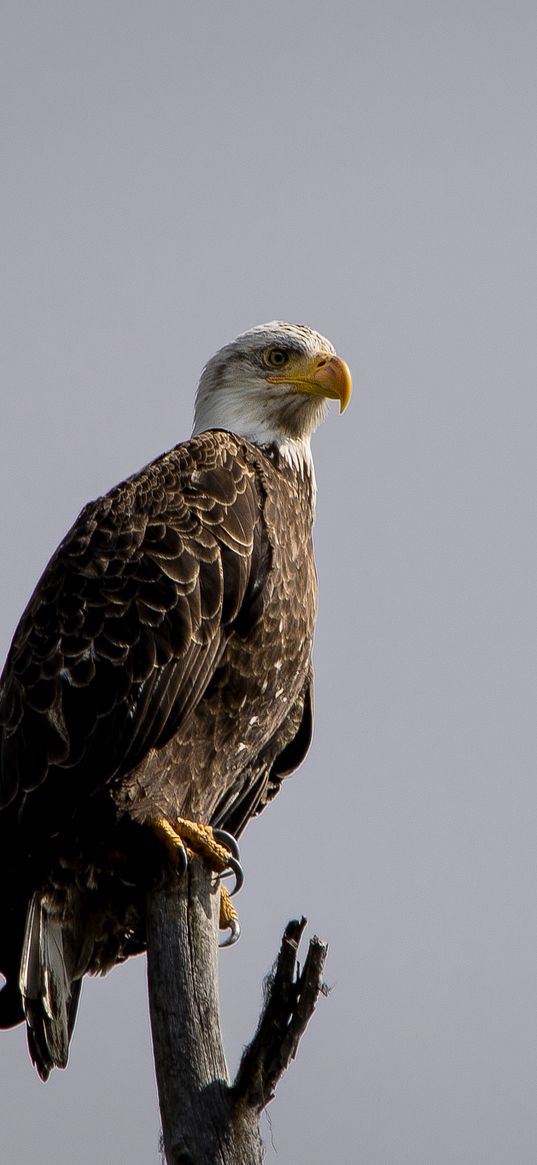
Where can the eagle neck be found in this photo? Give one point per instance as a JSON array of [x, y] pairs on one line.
[[295, 456]]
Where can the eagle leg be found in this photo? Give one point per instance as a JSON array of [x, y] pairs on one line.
[[186, 838]]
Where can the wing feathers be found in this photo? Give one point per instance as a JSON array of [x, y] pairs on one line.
[[124, 630]]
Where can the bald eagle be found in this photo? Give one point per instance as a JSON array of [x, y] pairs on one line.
[[160, 675]]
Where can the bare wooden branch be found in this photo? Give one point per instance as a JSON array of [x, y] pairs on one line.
[[288, 1007], [205, 1119], [196, 1102]]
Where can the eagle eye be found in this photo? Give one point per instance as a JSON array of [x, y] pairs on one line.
[[276, 357]]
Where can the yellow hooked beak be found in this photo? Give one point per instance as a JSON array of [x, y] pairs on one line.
[[321, 376]]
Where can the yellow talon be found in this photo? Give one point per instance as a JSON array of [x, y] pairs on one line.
[[189, 838], [229, 919], [228, 914], [167, 834], [194, 838]]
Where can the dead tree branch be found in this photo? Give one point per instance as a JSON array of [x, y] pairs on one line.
[[206, 1120]]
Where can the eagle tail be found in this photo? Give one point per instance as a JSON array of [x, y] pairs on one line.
[[50, 999]]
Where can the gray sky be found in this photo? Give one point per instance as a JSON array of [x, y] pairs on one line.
[[173, 174]]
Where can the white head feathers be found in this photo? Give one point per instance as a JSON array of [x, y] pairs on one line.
[[235, 394]]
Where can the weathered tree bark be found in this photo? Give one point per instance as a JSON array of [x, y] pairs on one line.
[[206, 1120]]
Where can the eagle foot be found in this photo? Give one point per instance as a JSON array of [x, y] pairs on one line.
[[229, 919], [219, 849]]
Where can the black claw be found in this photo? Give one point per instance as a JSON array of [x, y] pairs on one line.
[[234, 935], [226, 839], [182, 861], [234, 867]]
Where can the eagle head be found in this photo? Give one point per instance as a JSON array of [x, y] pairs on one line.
[[271, 385]]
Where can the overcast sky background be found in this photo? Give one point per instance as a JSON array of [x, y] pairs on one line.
[[172, 174]]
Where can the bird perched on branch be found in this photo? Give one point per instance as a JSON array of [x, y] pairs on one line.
[[159, 684]]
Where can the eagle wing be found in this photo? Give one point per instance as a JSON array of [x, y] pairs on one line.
[[131, 616]]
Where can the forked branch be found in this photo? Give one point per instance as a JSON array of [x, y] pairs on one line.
[[206, 1120]]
